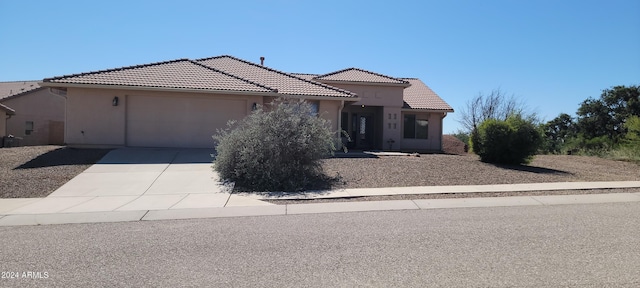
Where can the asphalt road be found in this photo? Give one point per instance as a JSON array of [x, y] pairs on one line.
[[595, 245]]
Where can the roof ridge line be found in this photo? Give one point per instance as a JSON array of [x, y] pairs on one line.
[[363, 70], [280, 72], [234, 76], [113, 69], [299, 73]]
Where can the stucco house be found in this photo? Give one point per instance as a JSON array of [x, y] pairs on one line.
[[40, 117], [181, 103]]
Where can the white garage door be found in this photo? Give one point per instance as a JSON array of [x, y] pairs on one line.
[[164, 121]]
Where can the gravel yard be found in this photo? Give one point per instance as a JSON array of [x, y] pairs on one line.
[[441, 169], [36, 171]]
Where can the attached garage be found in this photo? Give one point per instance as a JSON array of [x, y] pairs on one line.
[[166, 121], [179, 103]]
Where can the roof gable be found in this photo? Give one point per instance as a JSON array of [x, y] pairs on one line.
[[420, 96], [181, 73], [359, 75], [16, 88], [285, 83]]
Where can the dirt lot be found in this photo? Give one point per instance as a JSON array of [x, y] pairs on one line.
[[37, 171], [27, 172]]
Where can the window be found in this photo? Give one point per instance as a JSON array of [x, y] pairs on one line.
[[315, 107], [28, 128], [415, 128]]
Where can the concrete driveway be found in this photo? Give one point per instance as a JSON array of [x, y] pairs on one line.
[[133, 179]]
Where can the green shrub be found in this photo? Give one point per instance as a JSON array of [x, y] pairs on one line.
[[629, 150], [276, 149], [513, 141], [597, 146], [625, 153]]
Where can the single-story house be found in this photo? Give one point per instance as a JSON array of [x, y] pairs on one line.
[[5, 114], [181, 103], [40, 117]]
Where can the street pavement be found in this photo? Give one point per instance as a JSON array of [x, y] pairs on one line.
[[137, 184], [577, 245]]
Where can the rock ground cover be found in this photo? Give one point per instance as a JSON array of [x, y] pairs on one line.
[[37, 171], [27, 172], [440, 169]]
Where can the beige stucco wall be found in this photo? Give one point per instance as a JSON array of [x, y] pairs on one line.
[[392, 128], [375, 95], [93, 120], [434, 140], [330, 110], [44, 109]]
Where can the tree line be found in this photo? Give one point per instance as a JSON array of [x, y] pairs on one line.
[[500, 129]]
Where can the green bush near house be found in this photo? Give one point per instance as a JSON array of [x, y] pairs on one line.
[[511, 141], [276, 148]]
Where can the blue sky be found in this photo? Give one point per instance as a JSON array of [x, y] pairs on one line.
[[550, 54]]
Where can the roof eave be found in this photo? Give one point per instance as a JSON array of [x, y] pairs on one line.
[[404, 85], [7, 110], [235, 92], [320, 97], [149, 88], [428, 110]]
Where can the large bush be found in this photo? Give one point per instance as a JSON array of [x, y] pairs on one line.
[[276, 148], [511, 141]]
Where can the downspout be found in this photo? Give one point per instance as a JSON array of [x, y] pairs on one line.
[[441, 125], [340, 114], [339, 124]]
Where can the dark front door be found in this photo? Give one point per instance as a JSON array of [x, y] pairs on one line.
[[363, 130]]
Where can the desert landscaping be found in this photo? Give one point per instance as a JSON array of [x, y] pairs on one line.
[[37, 171]]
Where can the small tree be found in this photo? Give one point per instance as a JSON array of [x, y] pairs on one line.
[[558, 132], [276, 149], [495, 105], [512, 141]]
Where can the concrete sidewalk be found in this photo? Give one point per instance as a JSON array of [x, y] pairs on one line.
[[12, 211], [359, 192]]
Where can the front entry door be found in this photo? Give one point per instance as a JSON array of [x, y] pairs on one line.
[[363, 130]]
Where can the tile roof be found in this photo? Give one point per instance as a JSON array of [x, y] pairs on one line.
[[305, 76], [7, 110], [359, 75], [15, 88], [420, 96], [285, 83], [181, 73]]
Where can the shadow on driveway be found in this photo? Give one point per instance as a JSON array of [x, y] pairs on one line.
[[65, 156], [158, 156]]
